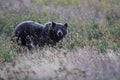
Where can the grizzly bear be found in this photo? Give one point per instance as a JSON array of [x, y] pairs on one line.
[[32, 34]]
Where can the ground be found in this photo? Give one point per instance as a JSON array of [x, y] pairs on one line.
[[82, 64]]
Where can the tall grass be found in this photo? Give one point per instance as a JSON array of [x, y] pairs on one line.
[[94, 24]]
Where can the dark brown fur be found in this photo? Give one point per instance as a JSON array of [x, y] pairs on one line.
[[32, 34]]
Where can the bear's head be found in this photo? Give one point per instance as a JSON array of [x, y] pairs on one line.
[[57, 31]]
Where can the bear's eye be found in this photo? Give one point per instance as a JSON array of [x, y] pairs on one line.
[[63, 29]]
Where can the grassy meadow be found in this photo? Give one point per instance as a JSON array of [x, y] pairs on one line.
[[90, 51]]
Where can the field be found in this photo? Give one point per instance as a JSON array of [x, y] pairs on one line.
[[90, 51]]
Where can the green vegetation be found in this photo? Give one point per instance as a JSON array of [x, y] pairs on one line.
[[94, 24]]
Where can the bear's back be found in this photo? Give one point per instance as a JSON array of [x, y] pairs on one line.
[[28, 27]]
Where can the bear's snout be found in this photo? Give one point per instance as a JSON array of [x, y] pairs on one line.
[[59, 33]]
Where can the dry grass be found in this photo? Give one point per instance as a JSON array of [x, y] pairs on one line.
[[82, 64]]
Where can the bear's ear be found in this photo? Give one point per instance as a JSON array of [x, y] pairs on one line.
[[53, 24], [66, 25]]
